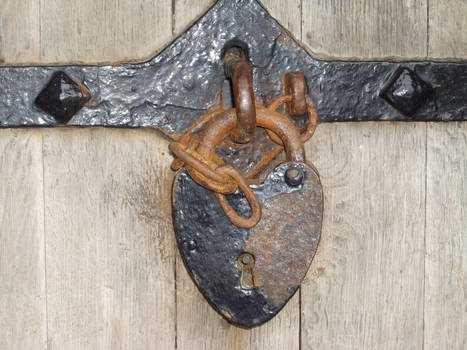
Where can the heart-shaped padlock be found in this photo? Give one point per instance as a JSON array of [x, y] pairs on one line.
[[247, 251]]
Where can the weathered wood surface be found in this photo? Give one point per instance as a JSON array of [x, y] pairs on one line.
[[447, 30], [85, 31], [22, 255], [446, 237], [20, 35], [366, 284], [369, 29], [88, 31], [109, 241]]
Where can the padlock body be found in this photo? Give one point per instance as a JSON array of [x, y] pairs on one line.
[[279, 249]]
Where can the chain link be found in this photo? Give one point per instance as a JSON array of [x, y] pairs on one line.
[[211, 172]]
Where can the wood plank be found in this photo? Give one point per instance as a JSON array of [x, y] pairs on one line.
[[19, 31], [287, 13], [446, 237], [200, 327], [447, 31], [186, 12], [23, 323], [366, 29], [90, 31], [110, 246], [71, 32], [365, 287], [54, 31]]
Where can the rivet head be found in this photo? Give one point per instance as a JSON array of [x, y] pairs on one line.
[[191, 244], [294, 176], [406, 91], [62, 97], [247, 259]]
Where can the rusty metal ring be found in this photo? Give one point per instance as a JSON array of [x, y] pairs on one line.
[[249, 194], [199, 125], [188, 138], [191, 143], [312, 117], [295, 86], [265, 118], [238, 68], [203, 173], [208, 171]]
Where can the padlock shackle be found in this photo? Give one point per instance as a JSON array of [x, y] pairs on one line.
[[222, 125]]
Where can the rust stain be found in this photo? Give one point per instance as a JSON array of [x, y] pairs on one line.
[[285, 241]]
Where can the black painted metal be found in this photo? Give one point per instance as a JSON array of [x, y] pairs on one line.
[[406, 91], [62, 97], [211, 245], [174, 89]]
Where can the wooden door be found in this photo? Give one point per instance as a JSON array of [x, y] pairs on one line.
[[87, 252]]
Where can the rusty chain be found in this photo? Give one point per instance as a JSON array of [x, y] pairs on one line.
[[194, 150]]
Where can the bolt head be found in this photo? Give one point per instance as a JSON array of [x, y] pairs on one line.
[[294, 176], [247, 259]]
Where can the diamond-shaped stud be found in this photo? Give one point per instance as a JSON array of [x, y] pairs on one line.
[[406, 91], [62, 97]]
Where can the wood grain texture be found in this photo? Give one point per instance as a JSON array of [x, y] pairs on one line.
[[200, 327], [446, 237], [365, 286], [366, 30], [287, 13], [22, 265], [186, 12], [94, 32], [86, 31], [20, 35], [447, 31], [109, 241], [89, 31]]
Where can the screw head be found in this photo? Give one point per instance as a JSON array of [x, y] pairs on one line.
[[294, 176], [247, 259]]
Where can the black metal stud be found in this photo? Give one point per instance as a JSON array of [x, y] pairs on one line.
[[406, 91], [294, 176], [62, 97]]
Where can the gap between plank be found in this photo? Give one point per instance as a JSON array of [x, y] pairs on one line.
[[173, 17], [424, 235], [40, 58], [45, 241], [427, 54], [301, 21]]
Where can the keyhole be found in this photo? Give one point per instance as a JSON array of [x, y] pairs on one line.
[[246, 262]]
